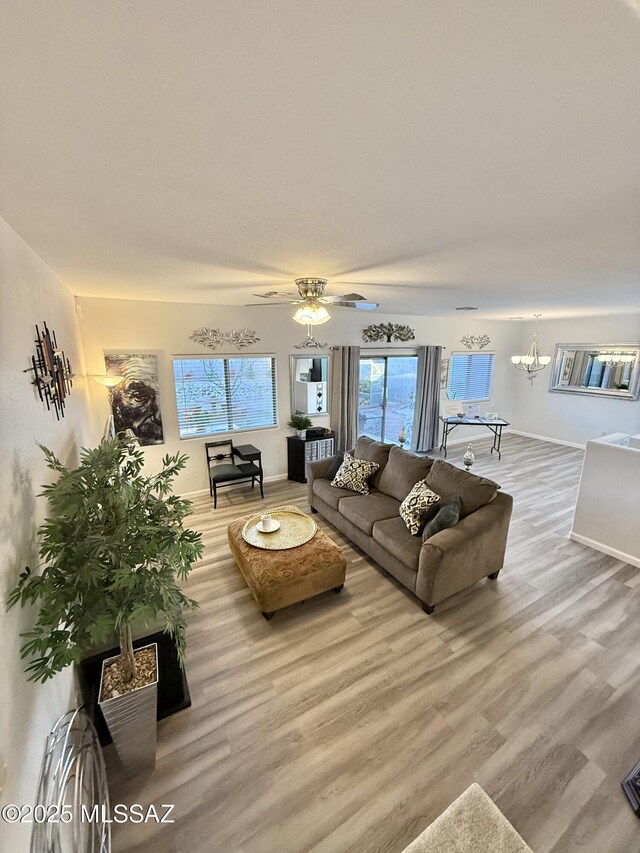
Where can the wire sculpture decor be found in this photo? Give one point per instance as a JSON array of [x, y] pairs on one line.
[[72, 788], [475, 341], [52, 374], [388, 332], [214, 338]]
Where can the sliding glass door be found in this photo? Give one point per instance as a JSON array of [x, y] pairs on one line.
[[387, 397]]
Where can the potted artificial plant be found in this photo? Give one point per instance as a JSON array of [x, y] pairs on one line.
[[300, 423], [114, 548]]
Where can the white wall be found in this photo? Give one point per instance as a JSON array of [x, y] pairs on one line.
[[164, 328], [30, 293], [573, 417]]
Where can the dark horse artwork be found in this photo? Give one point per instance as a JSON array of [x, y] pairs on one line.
[[136, 401]]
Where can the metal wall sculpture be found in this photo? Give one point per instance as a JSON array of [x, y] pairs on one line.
[[310, 342], [475, 341], [73, 795], [214, 338], [52, 374], [387, 331], [135, 402]]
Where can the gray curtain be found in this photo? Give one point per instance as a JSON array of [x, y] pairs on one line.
[[425, 417], [345, 381]]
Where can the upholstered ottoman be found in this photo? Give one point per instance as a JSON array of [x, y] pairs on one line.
[[279, 578]]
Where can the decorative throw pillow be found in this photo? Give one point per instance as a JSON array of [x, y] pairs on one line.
[[354, 473], [414, 508], [447, 515], [334, 467]]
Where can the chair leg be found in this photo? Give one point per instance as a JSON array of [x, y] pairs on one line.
[[494, 575], [261, 489], [215, 497], [428, 608], [268, 614], [314, 510]]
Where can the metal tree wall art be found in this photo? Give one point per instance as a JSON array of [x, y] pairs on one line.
[[214, 338], [388, 332], [475, 341], [52, 374]]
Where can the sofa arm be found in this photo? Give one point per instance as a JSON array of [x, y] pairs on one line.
[[317, 470], [459, 556]]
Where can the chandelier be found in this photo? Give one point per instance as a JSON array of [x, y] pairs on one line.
[[532, 362], [615, 357]]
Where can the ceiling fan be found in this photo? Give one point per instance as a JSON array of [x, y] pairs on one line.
[[312, 300]]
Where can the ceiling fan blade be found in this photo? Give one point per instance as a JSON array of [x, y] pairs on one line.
[[266, 304], [361, 306], [270, 293], [347, 297]]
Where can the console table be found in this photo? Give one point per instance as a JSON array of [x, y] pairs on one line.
[[495, 427], [303, 450]]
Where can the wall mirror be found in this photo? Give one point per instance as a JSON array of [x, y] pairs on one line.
[[310, 384], [598, 370]]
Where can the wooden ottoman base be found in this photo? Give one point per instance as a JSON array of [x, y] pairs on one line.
[[280, 578]]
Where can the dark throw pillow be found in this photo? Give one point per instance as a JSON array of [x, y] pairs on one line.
[[447, 516], [336, 462]]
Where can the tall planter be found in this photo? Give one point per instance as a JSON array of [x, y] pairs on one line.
[[131, 720]]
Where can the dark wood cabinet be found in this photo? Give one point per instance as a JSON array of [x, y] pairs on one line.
[[303, 450]]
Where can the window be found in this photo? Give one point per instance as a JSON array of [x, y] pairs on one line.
[[470, 375], [387, 397], [216, 395]]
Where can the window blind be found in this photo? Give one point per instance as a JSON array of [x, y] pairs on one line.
[[470, 375], [216, 394]]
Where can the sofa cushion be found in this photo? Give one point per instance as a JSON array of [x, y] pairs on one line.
[[365, 510], [414, 508], [447, 481], [372, 451], [402, 472], [354, 473], [328, 493], [393, 536], [445, 517]]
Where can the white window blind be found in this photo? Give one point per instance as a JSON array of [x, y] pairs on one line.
[[216, 394], [470, 375]]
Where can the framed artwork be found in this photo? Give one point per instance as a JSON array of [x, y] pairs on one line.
[[444, 374], [135, 403], [567, 367]]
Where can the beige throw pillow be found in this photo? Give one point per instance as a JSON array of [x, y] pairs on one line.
[[354, 473], [415, 507]]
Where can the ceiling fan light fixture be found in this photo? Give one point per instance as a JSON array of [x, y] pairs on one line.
[[311, 314]]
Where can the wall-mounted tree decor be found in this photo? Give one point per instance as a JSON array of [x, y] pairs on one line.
[[475, 341], [214, 338], [388, 332], [52, 374]]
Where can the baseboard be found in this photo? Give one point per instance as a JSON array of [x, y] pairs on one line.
[[605, 549], [272, 479], [547, 438]]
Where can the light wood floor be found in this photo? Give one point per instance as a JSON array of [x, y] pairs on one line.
[[349, 722]]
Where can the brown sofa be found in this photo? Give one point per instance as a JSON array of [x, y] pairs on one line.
[[437, 567]]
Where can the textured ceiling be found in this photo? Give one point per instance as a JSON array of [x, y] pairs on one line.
[[427, 154]]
